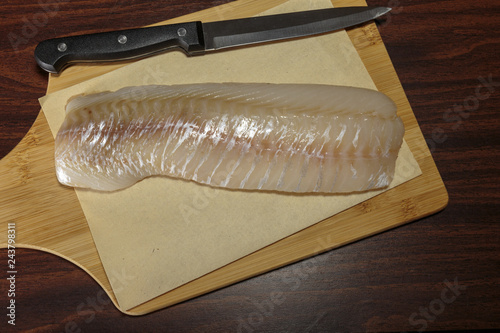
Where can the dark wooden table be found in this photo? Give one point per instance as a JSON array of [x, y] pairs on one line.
[[439, 273]]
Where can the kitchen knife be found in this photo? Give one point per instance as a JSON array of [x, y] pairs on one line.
[[194, 38]]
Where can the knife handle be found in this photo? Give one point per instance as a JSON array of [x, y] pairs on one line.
[[53, 55]]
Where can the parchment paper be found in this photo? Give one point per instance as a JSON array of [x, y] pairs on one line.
[[165, 232]]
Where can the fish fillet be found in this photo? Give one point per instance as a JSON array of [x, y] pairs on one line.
[[275, 137]]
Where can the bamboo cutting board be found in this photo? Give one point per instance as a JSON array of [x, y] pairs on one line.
[[48, 216]]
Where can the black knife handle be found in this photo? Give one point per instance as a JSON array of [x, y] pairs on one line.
[[54, 55]]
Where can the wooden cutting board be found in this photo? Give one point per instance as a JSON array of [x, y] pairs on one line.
[[48, 215]]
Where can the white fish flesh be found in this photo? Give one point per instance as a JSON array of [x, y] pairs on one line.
[[251, 136]]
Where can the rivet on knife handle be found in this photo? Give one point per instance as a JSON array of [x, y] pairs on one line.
[[54, 55]]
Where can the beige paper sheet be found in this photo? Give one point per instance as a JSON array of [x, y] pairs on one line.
[[166, 232]]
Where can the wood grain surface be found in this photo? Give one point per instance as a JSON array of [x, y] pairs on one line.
[[441, 50]]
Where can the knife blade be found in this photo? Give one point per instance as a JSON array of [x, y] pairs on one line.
[[53, 55]]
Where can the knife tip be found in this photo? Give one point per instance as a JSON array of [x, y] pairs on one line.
[[383, 10]]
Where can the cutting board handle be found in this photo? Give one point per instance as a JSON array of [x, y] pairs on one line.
[[47, 215]]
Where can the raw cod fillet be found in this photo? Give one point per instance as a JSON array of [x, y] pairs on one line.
[[277, 137]]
